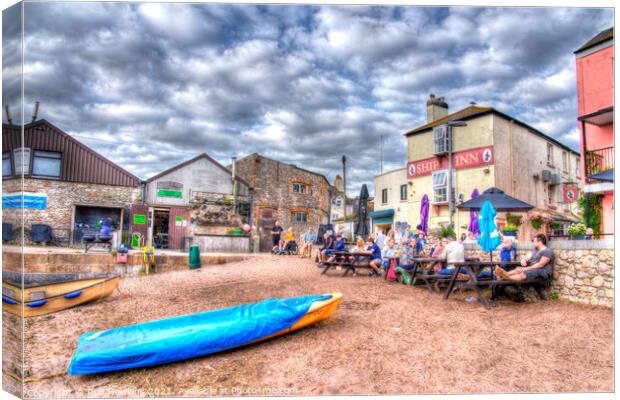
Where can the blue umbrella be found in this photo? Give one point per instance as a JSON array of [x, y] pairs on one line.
[[489, 235]]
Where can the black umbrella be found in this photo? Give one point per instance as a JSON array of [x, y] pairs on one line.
[[500, 201], [361, 228]]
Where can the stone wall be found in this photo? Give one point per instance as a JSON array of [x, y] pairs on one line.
[[272, 183], [583, 271], [62, 197], [223, 243]]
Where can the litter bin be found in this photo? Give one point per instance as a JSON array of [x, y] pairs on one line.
[[194, 256]]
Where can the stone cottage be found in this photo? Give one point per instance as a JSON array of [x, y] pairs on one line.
[[296, 197], [66, 185], [198, 198]]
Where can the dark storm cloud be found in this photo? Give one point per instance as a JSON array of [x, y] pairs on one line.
[[151, 85]]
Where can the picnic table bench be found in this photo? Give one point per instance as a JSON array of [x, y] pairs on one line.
[[474, 282], [430, 278], [342, 260]]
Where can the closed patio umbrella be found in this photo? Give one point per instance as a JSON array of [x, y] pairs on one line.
[[361, 227], [473, 226], [424, 213], [489, 235]]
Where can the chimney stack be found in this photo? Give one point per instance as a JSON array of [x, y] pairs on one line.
[[8, 114], [436, 107], [35, 111]]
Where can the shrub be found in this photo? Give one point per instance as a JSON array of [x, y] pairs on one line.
[[576, 229], [447, 231], [554, 296]]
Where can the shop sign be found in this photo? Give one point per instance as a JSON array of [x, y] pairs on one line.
[[169, 193], [570, 193], [139, 219], [35, 201], [461, 160]]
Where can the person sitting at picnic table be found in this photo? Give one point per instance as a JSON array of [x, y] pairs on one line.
[[389, 250], [463, 237], [276, 231], [375, 255], [538, 265], [470, 239], [325, 251], [309, 238], [398, 235], [454, 252], [406, 254], [438, 254], [339, 245], [507, 252]]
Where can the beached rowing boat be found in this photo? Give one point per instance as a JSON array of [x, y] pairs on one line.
[[195, 335], [48, 293]]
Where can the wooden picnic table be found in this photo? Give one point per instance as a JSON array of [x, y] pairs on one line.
[[472, 269], [418, 271], [342, 261]]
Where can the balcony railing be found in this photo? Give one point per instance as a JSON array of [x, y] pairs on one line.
[[599, 160]]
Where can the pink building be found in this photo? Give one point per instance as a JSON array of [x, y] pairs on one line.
[[595, 91]]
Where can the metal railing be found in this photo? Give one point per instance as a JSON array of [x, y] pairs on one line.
[[595, 236], [599, 160]]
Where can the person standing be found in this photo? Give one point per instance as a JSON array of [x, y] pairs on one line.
[[276, 232], [380, 239]]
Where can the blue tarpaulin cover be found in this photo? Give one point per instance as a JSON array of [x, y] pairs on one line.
[[188, 336]]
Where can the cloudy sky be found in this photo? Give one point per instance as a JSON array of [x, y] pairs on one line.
[[150, 85]]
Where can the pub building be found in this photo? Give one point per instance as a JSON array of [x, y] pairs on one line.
[[489, 148]]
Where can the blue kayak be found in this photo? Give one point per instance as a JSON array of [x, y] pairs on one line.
[[195, 335]]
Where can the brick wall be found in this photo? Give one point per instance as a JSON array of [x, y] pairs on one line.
[[62, 197], [272, 183], [583, 271]]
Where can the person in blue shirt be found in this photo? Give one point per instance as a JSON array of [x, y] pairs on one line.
[[339, 245], [508, 252], [375, 256]]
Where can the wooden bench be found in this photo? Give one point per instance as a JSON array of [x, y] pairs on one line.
[[473, 268]]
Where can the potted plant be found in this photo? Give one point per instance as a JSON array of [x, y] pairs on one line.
[[510, 230], [537, 223], [447, 231], [577, 231]]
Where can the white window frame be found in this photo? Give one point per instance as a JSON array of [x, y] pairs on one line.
[[549, 154], [7, 156], [440, 184], [578, 167], [405, 192], [300, 216], [302, 188], [384, 196], [40, 155], [565, 162], [440, 139]]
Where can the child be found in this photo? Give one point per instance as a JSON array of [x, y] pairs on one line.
[[389, 250], [508, 253]]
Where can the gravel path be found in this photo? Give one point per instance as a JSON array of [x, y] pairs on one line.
[[386, 339]]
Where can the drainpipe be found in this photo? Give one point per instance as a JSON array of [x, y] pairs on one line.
[[510, 148], [234, 184], [143, 191]]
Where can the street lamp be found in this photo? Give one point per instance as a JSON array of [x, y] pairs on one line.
[[451, 207]]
